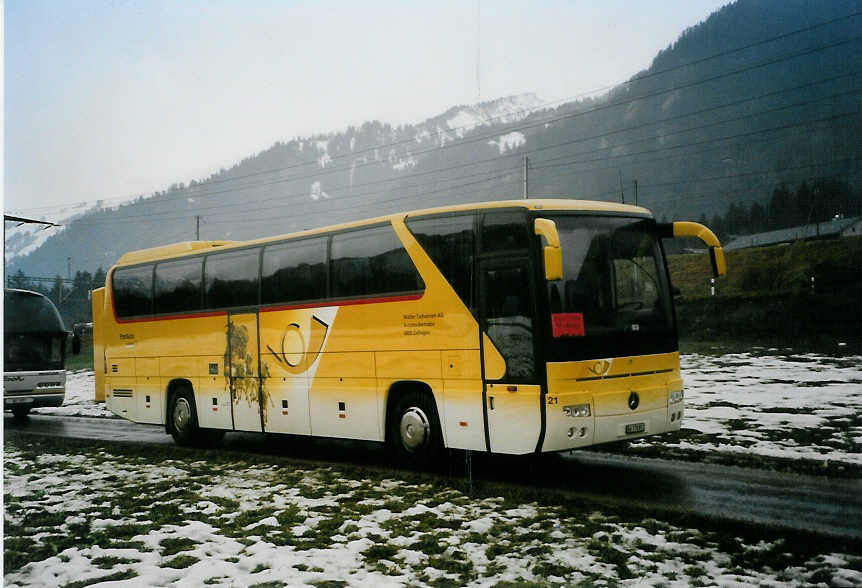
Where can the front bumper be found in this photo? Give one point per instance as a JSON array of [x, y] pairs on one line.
[[50, 397], [34, 389], [572, 433]]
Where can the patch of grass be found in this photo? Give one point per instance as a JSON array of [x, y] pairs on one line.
[[604, 551], [494, 568], [519, 583], [40, 519], [236, 527], [430, 544], [395, 505], [313, 492], [380, 551], [17, 552], [180, 562], [495, 549], [546, 569], [329, 527], [165, 513], [174, 545], [289, 516], [108, 562], [538, 550], [259, 568], [695, 572], [117, 577], [429, 521], [454, 563]]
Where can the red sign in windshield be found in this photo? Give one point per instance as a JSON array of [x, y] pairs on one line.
[[567, 324]]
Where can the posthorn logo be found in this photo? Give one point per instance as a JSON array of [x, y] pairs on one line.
[[634, 400]]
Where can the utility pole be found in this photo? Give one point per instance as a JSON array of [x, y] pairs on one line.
[[526, 167], [636, 191], [622, 193], [478, 49], [198, 228], [69, 267]]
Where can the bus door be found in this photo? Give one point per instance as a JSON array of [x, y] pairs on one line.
[[512, 392], [243, 347]]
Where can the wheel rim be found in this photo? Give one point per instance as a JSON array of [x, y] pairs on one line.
[[182, 414], [415, 429]]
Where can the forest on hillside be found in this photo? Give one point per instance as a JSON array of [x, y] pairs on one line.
[[820, 201]]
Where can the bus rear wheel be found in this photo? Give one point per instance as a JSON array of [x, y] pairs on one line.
[[414, 429], [183, 418]]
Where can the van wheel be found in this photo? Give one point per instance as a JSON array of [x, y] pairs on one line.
[[20, 412], [183, 417], [414, 430]]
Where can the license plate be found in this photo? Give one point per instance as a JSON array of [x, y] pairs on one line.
[[16, 400], [635, 428]]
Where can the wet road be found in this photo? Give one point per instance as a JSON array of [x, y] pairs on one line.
[[792, 501]]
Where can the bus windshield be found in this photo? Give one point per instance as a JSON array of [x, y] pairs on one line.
[[34, 334], [613, 299]]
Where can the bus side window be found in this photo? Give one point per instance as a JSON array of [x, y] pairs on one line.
[[450, 241], [133, 291], [294, 271], [371, 261], [178, 285], [231, 279]]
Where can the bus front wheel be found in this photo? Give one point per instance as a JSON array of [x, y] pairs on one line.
[[414, 429]]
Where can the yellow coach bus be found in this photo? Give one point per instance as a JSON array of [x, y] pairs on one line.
[[510, 327]]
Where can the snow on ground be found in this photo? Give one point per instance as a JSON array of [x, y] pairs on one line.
[[80, 397], [86, 514], [794, 406]]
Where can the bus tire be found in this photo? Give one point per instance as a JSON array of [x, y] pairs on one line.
[[183, 417], [414, 429], [20, 412]]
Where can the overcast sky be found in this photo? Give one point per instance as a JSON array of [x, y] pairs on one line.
[[113, 98]]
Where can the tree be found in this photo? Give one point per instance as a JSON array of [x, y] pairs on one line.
[[803, 209], [19, 280], [99, 278], [757, 218], [779, 213], [56, 292]]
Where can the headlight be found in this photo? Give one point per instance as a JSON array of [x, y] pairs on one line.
[[577, 410], [676, 396]]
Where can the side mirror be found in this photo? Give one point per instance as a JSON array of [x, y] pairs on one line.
[[553, 255], [690, 229]]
